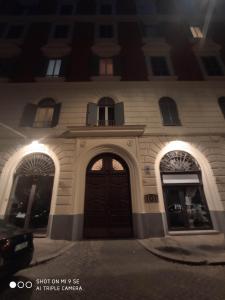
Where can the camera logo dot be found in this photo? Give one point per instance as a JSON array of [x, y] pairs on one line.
[[12, 284], [20, 284]]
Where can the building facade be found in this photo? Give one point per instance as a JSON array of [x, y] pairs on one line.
[[112, 119]]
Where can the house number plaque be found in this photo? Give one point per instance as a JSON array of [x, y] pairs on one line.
[[151, 198]]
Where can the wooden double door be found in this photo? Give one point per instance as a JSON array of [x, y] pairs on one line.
[[107, 211]]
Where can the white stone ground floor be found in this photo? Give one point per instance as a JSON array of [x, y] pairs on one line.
[[142, 155]]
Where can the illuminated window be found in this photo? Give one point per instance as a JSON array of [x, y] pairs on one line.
[[54, 66], [97, 166], [196, 32], [117, 165], [106, 112], [106, 66]]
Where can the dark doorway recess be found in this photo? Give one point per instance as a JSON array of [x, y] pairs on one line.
[[107, 210]]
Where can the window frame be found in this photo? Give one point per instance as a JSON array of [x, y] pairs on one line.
[[170, 106], [57, 65]]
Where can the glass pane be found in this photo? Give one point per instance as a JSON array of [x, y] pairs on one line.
[[180, 178], [58, 63], [117, 165], [97, 166], [159, 66], [109, 69], [50, 69], [102, 70], [44, 117]]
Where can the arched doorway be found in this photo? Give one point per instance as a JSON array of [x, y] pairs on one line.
[[183, 192], [107, 209], [31, 193]]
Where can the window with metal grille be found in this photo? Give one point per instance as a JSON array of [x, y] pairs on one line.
[[169, 112]]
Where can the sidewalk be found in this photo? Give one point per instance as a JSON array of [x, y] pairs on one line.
[[46, 249], [191, 249]]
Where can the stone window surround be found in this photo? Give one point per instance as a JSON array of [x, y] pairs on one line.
[[210, 48], [158, 47]]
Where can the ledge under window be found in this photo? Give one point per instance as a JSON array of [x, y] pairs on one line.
[[50, 79], [106, 78], [161, 78], [215, 78], [110, 131]]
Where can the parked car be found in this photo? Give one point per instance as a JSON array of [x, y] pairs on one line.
[[16, 248]]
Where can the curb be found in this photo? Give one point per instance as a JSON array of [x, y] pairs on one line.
[[46, 258], [185, 261]]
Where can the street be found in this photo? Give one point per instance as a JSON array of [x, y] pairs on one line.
[[115, 270]]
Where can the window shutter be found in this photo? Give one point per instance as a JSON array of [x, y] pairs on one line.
[[92, 114], [116, 65], [95, 65], [64, 66], [42, 66], [56, 114], [119, 114], [28, 115]]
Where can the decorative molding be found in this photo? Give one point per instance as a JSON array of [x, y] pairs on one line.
[[155, 46], [109, 131], [56, 49], [50, 79], [206, 46], [104, 48]]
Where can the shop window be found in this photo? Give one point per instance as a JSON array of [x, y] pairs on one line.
[[183, 191], [221, 102], [105, 113], [44, 115], [169, 112]]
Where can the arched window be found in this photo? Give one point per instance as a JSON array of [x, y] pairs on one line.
[[169, 112], [184, 197], [105, 113], [43, 115], [221, 102]]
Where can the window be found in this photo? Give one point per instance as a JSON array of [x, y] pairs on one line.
[[196, 32], [54, 66], [15, 32], [221, 102], [212, 65], [66, 9], [159, 66], [106, 31], [43, 115], [106, 67], [184, 197], [61, 31], [2, 29], [106, 9], [169, 112], [105, 113]]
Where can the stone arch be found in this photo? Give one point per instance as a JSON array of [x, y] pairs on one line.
[[135, 181], [210, 187], [6, 178]]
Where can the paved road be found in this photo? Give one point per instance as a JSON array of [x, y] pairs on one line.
[[116, 270]]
